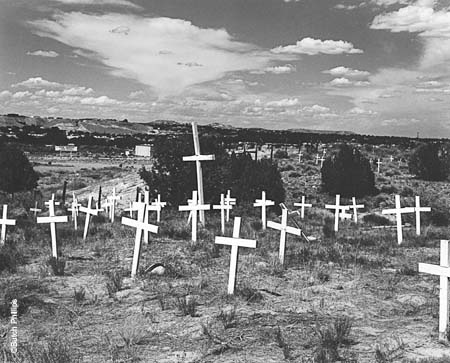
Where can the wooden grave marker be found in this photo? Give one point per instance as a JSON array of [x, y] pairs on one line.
[[322, 159], [52, 220], [229, 201], [398, 211], [300, 154], [317, 159], [141, 226], [355, 208], [75, 209], [302, 205], [284, 229], [149, 207], [338, 209], [379, 162], [235, 242], [198, 158], [443, 271], [112, 204], [52, 201], [223, 207], [4, 221], [159, 206], [195, 206], [263, 203], [89, 212], [35, 210], [419, 209]]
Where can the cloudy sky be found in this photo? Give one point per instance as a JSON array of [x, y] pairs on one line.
[[373, 66]]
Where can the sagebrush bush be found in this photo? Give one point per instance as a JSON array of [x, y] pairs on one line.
[[281, 154], [348, 173], [428, 162]]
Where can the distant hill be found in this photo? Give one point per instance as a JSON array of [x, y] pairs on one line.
[[309, 131]]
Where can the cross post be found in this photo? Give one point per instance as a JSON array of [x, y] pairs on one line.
[[5, 222], [195, 207], [302, 205], [52, 219], [398, 213], [263, 203], [355, 208]]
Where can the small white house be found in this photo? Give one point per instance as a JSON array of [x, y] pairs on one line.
[[143, 150]]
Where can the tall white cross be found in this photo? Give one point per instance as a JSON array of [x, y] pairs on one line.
[[419, 209], [398, 212], [338, 210], [89, 212], [222, 207], [303, 205], [443, 271], [52, 201], [5, 222], [74, 209], [284, 228], [195, 207], [52, 219], [141, 226], [229, 201], [160, 205], [35, 210], [235, 242], [198, 158], [355, 208], [379, 162], [263, 203]]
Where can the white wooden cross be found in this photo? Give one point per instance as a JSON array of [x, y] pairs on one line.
[[302, 205], [317, 159], [355, 208], [443, 271], [195, 207], [263, 203], [198, 158], [35, 210], [338, 210], [89, 211], [379, 162], [229, 201], [52, 200], [160, 205], [398, 212], [112, 201], [284, 228], [343, 215], [5, 222], [322, 159], [131, 209], [74, 209], [235, 242], [391, 158], [149, 207], [52, 219], [300, 154], [419, 209], [223, 207], [141, 226]]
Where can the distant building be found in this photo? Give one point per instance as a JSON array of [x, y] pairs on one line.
[[66, 148], [143, 150]]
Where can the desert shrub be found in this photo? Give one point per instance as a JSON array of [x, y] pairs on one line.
[[113, 282], [187, 305], [348, 173], [428, 163], [376, 219], [280, 154], [407, 192], [330, 338], [288, 167], [389, 189], [10, 257], [17, 172], [294, 174], [176, 179], [57, 265]]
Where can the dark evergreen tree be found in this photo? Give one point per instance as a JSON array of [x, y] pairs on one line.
[[348, 173], [428, 162], [16, 172]]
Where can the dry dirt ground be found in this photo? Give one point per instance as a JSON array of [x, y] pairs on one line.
[[353, 296]]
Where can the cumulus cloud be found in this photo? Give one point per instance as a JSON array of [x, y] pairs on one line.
[[313, 46], [37, 82], [386, 3], [287, 68], [360, 111], [316, 109], [342, 71], [345, 82], [286, 102], [44, 53], [163, 53]]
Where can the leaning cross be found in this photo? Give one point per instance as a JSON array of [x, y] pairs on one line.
[[263, 203], [284, 228], [52, 219], [443, 271], [4, 221], [355, 208], [141, 225], [198, 158], [89, 212], [398, 212], [195, 207], [148, 208], [223, 207], [235, 242], [419, 209], [302, 205]]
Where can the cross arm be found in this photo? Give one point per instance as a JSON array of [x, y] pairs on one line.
[[54, 219], [199, 158], [434, 269], [230, 241]]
